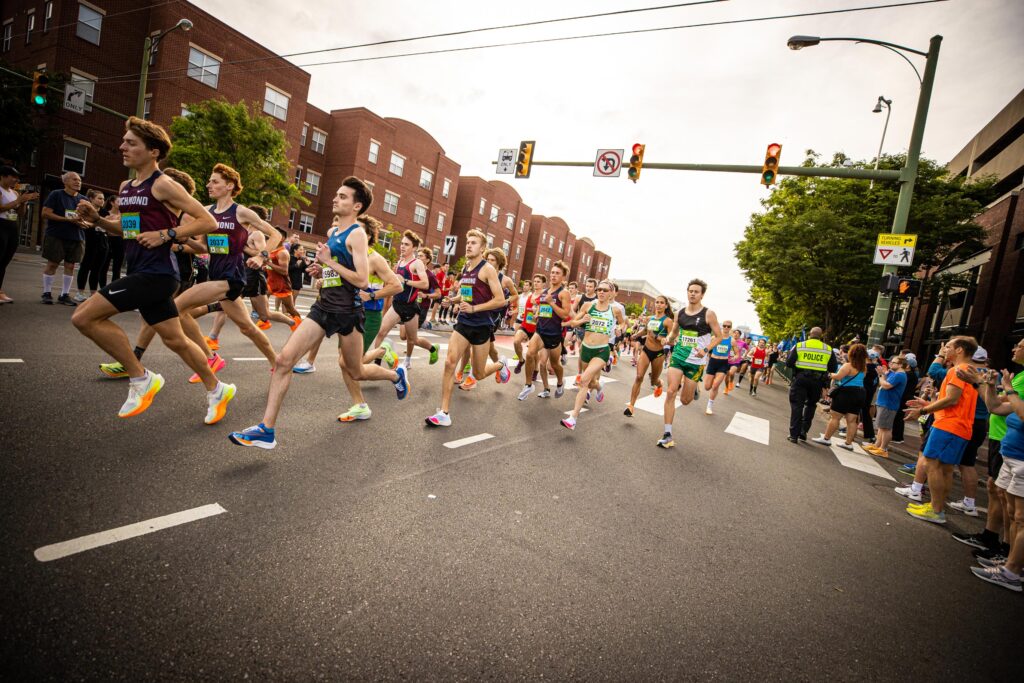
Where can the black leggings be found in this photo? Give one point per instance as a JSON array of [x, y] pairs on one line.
[[92, 262], [8, 245], [114, 257]]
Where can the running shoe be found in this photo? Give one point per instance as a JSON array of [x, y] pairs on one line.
[[569, 422], [407, 363], [960, 506], [79, 298], [996, 554], [459, 377], [217, 402], [909, 467], [908, 492], [264, 324], [999, 576], [47, 298], [504, 374], [257, 436], [696, 392], [390, 358], [927, 514], [433, 353], [216, 364], [544, 394], [870, 447], [666, 441], [402, 383], [304, 367], [439, 419], [468, 383], [468, 369], [295, 325], [608, 366], [628, 412], [519, 367], [213, 343], [708, 411], [113, 370], [600, 395], [658, 391], [559, 390], [845, 446], [140, 394], [360, 411], [973, 540], [66, 300], [822, 440], [579, 378], [527, 390]]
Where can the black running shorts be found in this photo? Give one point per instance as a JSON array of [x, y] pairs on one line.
[[406, 312], [255, 283], [151, 295], [716, 366], [551, 341], [335, 322], [474, 334]]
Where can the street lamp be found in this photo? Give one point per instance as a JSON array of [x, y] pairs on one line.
[[878, 110], [147, 53], [908, 174]]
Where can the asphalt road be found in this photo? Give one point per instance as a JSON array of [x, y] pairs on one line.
[[372, 551]]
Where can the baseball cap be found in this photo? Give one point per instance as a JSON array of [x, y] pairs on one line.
[[980, 356], [911, 360], [6, 170]]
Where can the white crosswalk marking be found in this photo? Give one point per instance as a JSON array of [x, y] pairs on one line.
[[651, 404], [861, 463], [749, 427]]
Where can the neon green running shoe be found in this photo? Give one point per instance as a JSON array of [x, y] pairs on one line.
[[113, 370], [468, 369], [433, 354], [356, 412], [390, 359]]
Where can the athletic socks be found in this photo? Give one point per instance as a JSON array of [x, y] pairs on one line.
[[138, 352], [710, 403], [66, 287], [917, 488], [668, 429], [47, 283]]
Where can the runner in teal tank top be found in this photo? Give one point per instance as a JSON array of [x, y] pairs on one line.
[[651, 353]]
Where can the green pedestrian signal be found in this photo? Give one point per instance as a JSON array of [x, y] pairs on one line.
[[40, 84]]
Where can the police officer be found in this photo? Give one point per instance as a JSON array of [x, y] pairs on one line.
[[812, 362]]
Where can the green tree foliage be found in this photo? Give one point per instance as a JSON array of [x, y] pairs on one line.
[[21, 131], [634, 310], [216, 131], [809, 255]]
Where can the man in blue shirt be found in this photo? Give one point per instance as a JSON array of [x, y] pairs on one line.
[[63, 239]]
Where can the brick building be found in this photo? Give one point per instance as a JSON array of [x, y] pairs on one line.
[[602, 265], [582, 259], [496, 209], [545, 244]]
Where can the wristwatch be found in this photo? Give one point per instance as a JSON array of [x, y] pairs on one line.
[[264, 254], [172, 233], [373, 294]]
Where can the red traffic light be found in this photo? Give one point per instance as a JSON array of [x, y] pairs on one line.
[[774, 149], [637, 148]]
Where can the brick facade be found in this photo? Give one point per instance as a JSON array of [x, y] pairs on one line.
[[477, 203], [545, 244]]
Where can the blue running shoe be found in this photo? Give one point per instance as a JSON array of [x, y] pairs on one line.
[[402, 385], [257, 436]]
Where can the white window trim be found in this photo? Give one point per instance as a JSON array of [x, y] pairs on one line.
[[483, 205], [313, 141], [90, 97], [312, 221], [397, 197], [391, 162], [188, 66], [370, 151], [279, 91], [103, 15], [430, 181], [309, 188], [446, 188], [85, 161], [303, 136], [495, 212], [442, 219], [426, 214]]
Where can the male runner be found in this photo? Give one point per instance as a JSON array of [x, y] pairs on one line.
[[696, 331], [553, 306], [718, 366], [343, 262], [444, 283], [278, 282], [758, 358], [480, 295], [528, 324], [149, 207], [495, 257]]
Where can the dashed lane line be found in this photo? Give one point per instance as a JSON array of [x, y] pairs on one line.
[[468, 440], [11, 360], [77, 545]]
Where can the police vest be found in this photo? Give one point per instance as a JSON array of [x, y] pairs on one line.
[[813, 355]]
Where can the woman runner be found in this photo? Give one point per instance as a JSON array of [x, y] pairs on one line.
[[652, 349]]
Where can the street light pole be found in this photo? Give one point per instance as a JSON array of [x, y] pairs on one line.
[[147, 54], [888, 112], [909, 176]]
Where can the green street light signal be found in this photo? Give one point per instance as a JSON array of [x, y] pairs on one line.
[[770, 170], [40, 84]]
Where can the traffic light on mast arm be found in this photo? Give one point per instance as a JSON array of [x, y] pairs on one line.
[[525, 158], [770, 170], [40, 84], [636, 162]]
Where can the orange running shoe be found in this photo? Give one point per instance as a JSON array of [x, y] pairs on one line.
[[263, 324], [657, 392], [458, 376], [297, 320], [216, 364], [468, 384], [212, 343]]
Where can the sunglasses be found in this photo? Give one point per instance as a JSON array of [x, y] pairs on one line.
[[603, 289]]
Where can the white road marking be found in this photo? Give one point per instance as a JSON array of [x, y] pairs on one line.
[[11, 360], [582, 410], [468, 440], [255, 358], [571, 384], [861, 463], [651, 404], [78, 545], [749, 427]]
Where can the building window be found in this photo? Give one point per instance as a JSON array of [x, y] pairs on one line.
[[8, 33], [185, 112], [319, 141], [386, 237], [203, 67], [440, 222], [90, 23], [551, 242], [540, 260], [291, 219], [510, 220], [446, 188], [505, 246], [369, 185], [518, 250], [547, 264], [569, 252], [437, 255], [494, 213], [374, 151], [152, 52], [561, 246], [305, 131], [86, 83], [419, 214], [397, 164], [298, 176], [390, 202], [275, 103], [30, 25], [522, 226], [47, 16], [426, 179], [483, 206], [74, 157], [147, 107], [306, 222], [312, 183], [490, 240]]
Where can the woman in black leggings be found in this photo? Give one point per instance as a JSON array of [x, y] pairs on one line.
[[12, 206], [95, 253], [115, 248]]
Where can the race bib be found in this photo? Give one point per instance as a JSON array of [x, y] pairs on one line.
[[530, 318], [545, 311], [687, 338], [653, 325], [331, 278], [131, 225], [218, 244], [466, 292], [600, 326]]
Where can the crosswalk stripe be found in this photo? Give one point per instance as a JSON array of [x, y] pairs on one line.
[[861, 463], [749, 427]]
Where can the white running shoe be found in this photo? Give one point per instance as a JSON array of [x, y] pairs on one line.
[[908, 492], [559, 391], [217, 402], [439, 419], [822, 440], [708, 411], [304, 367], [526, 392], [959, 506], [544, 394], [140, 394]]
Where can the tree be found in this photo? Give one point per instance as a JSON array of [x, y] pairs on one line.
[[809, 255], [634, 310], [215, 132], [20, 133]]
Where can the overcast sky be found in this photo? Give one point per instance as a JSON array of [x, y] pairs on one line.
[[705, 95]]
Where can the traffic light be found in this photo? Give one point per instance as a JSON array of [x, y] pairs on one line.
[[770, 170], [890, 283], [636, 162], [909, 287], [40, 82], [525, 158]]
